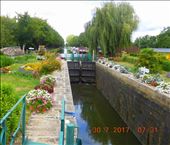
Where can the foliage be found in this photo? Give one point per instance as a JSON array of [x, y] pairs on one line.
[[8, 100], [165, 65], [163, 39], [39, 100], [149, 59], [146, 41], [36, 66], [168, 56], [49, 66], [47, 79], [25, 58], [131, 59], [111, 28], [28, 32], [5, 61], [45, 86], [8, 28], [43, 67], [72, 40], [160, 41]]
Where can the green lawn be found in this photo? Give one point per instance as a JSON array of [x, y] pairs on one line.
[[21, 83]]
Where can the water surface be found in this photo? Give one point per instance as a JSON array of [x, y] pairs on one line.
[[98, 121]]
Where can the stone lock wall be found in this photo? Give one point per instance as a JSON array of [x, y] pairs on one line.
[[145, 110]]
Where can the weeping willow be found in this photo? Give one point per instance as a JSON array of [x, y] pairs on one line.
[[111, 28]]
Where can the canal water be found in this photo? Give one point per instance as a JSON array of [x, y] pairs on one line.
[[98, 122]]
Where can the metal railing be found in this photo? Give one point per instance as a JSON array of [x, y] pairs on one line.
[[69, 129], [21, 124]]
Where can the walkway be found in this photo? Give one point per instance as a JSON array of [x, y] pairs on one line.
[[45, 127]]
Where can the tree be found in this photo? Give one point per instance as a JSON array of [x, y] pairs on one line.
[[111, 28], [82, 39], [72, 40], [146, 41], [8, 29], [164, 38], [33, 31]]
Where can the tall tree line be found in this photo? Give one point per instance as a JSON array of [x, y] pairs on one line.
[[160, 41], [28, 31], [111, 28]]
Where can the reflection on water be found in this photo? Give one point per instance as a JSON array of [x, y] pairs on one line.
[[99, 123]]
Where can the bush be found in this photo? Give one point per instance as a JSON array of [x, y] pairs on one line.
[[5, 61], [149, 59], [8, 100], [50, 65], [127, 58], [47, 87], [166, 65]]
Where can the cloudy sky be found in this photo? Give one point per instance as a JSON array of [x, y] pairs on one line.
[[69, 17]]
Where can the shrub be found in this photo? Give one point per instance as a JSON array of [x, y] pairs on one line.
[[39, 100], [36, 66], [5, 61], [50, 65], [47, 87], [148, 58], [8, 100], [166, 65], [127, 58]]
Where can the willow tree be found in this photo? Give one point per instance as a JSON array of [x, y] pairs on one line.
[[111, 27]]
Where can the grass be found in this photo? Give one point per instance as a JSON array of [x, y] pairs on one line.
[[22, 84]]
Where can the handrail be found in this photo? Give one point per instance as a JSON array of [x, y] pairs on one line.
[[70, 128], [61, 135], [22, 123]]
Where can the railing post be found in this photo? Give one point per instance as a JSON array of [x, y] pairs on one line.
[[23, 119], [3, 133], [70, 134]]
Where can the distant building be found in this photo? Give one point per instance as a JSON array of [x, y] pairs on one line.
[[164, 50]]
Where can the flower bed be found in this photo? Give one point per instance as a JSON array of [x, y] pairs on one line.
[[47, 79], [40, 99], [142, 75]]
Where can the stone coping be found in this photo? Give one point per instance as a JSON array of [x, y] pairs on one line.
[[150, 92]]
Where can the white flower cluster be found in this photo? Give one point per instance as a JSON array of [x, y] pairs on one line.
[[38, 94], [164, 87], [115, 66]]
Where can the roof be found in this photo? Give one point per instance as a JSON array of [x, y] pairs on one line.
[[166, 50]]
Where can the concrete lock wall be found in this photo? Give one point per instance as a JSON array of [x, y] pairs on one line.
[[145, 111]]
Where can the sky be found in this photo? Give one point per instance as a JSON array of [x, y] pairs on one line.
[[69, 17]]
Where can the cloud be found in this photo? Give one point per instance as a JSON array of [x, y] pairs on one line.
[[69, 17]]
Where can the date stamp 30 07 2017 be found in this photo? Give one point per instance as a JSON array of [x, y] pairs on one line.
[[119, 130]]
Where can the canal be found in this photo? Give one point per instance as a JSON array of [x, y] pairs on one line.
[[99, 123]]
